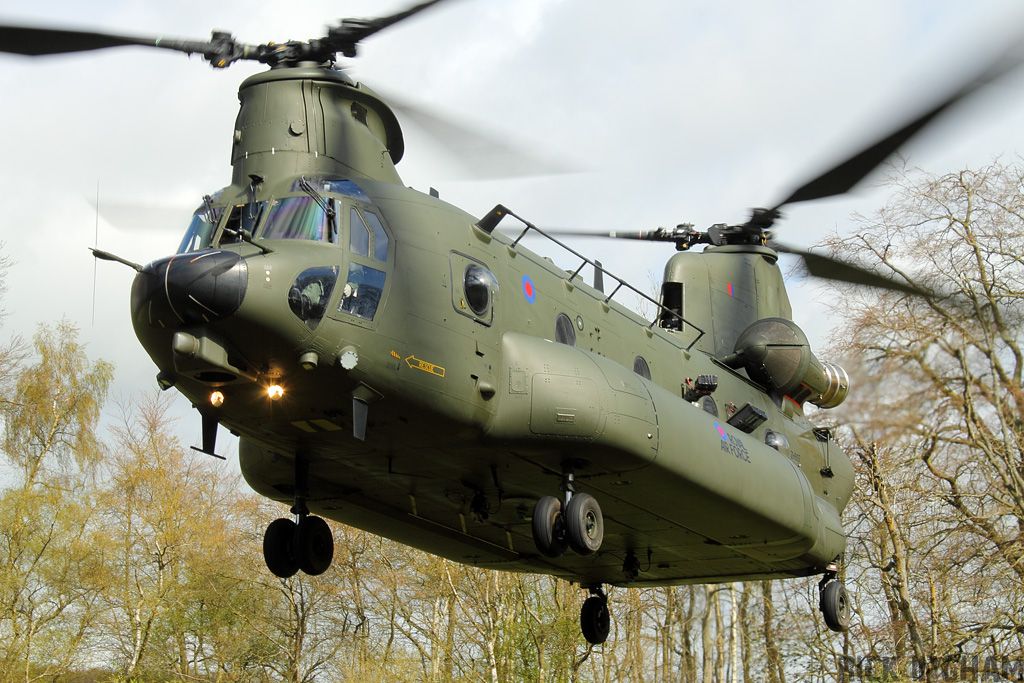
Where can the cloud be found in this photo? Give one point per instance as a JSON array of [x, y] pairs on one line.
[[687, 111]]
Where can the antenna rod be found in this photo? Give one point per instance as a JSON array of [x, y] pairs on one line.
[[95, 243]]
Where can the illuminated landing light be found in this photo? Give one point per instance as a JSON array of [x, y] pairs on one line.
[[275, 391], [217, 399]]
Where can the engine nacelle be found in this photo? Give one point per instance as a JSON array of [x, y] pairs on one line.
[[776, 354]]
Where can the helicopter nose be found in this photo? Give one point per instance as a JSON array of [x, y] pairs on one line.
[[189, 289]]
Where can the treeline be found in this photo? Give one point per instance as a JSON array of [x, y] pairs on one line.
[[125, 556], [130, 557]]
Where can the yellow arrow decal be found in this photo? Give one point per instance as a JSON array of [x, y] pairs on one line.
[[423, 365]]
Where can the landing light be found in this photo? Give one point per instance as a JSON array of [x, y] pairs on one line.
[[217, 399], [275, 391]]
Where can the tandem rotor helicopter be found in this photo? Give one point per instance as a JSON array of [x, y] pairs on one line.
[[393, 363]]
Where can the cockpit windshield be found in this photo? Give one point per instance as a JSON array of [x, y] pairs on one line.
[[199, 234], [301, 218], [243, 219]]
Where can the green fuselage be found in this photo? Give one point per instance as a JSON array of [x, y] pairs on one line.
[[484, 370]]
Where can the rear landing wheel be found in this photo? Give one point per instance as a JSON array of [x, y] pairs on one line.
[[835, 607], [595, 619]]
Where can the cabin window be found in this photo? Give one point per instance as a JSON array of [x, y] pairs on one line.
[[474, 288], [477, 283], [565, 331], [641, 367]]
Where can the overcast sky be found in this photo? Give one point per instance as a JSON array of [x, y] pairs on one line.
[[681, 111]]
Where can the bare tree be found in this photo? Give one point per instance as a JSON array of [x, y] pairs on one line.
[[935, 423]]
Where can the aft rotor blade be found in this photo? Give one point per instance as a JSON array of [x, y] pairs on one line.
[[631, 235], [683, 236], [842, 177], [828, 268]]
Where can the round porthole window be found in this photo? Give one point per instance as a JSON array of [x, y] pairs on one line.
[[641, 367], [777, 441], [477, 284], [565, 332]]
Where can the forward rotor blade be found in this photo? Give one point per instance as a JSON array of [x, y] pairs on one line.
[[351, 31], [221, 51], [828, 268], [35, 42], [842, 177]]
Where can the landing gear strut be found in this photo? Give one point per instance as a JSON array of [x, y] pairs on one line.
[[305, 543], [834, 602], [595, 619]]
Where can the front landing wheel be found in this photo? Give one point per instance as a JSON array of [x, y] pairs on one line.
[[279, 548], [314, 545], [584, 524], [549, 527]]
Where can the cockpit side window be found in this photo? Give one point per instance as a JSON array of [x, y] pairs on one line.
[[359, 236], [380, 238], [363, 290], [299, 218], [369, 248]]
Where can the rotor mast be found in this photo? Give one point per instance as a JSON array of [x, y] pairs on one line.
[[311, 120]]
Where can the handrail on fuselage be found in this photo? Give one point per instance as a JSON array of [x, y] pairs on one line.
[[490, 221]]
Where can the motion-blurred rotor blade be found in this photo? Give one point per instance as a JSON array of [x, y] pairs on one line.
[[344, 37], [477, 154], [842, 177], [24, 40], [828, 268], [221, 50]]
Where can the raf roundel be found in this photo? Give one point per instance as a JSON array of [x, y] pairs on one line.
[[528, 290]]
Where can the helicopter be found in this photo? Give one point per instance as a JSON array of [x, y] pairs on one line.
[[394, 363]]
